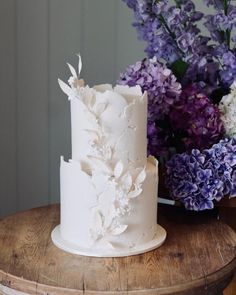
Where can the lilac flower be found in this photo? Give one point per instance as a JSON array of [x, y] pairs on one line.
[[200, 178], [163, 91], [228, 73], [197, 118], [218, 4], [170, 22], [221, 26], [172, 34]]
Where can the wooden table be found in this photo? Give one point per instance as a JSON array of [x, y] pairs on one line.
[[198, 257]]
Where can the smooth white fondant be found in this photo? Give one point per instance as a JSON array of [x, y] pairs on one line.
[[119, 120], [156, 242], [82, 195], [108, 188]]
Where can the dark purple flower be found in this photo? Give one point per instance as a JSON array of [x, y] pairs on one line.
[[200, 120]]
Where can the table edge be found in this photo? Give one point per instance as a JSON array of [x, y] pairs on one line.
[[24, 285]]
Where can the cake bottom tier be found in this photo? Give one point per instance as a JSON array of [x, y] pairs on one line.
[[90, 224], [156, 242]]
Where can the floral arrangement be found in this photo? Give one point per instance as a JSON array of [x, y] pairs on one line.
[[190, 79]]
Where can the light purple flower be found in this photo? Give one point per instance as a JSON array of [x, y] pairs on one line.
[[172, 33], [163, 91], [200, 178]]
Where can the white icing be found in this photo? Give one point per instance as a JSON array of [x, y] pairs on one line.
[[114, 118], [114, 124], [89, 215], [108, 189]]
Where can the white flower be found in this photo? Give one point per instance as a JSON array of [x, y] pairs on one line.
[[138, 184], [227, 109], [74, 81], [105, 225]]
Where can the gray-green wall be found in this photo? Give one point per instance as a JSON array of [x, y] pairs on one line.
[[38, 37]]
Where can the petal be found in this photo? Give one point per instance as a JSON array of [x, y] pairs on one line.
[[92, 101], [110, 217], [79, 64], [100, 164], [118, 229], [65, 88], [100, 108], [118, 169], [94, 134], [107, 244], [73, 72], [135, 193], [126, 181], [97, 220], [141, 177]]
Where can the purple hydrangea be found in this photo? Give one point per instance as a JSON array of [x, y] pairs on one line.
[[163, 91], [200, 178], [159, 82], [197, 119]]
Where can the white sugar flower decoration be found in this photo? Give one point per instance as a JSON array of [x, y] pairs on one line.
[[227, 109], [102, 227], [74, 81]]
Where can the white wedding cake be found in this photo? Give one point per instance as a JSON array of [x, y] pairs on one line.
[[109, 187]]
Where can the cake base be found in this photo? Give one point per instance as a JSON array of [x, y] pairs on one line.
[[74, 249]]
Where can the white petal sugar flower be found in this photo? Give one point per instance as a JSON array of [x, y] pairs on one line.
[[227, 109], [74, 81]]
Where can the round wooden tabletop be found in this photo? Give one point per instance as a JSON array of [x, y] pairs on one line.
[[198, 257]]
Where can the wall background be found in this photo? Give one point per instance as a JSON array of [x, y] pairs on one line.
[[37, 39]]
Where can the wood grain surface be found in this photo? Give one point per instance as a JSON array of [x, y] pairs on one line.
[[228, 214], [198, 257]]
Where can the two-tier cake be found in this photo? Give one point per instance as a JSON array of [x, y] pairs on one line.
[[109, 187]]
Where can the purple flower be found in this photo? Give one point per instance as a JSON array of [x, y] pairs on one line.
[[200, 178], [163, 91], [218, 4], [228, 73], [171, 33], [161, 85], [185, 41], [221, 26], [197, 119]]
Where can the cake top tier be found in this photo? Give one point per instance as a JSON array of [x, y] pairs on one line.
[[108, 124], [78, 89]]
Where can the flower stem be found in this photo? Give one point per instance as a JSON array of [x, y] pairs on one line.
[[163, 21], [226, 6], [178, 4], [228, 32]]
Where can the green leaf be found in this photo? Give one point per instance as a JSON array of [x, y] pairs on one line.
[[179, 68], [217, 95]]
